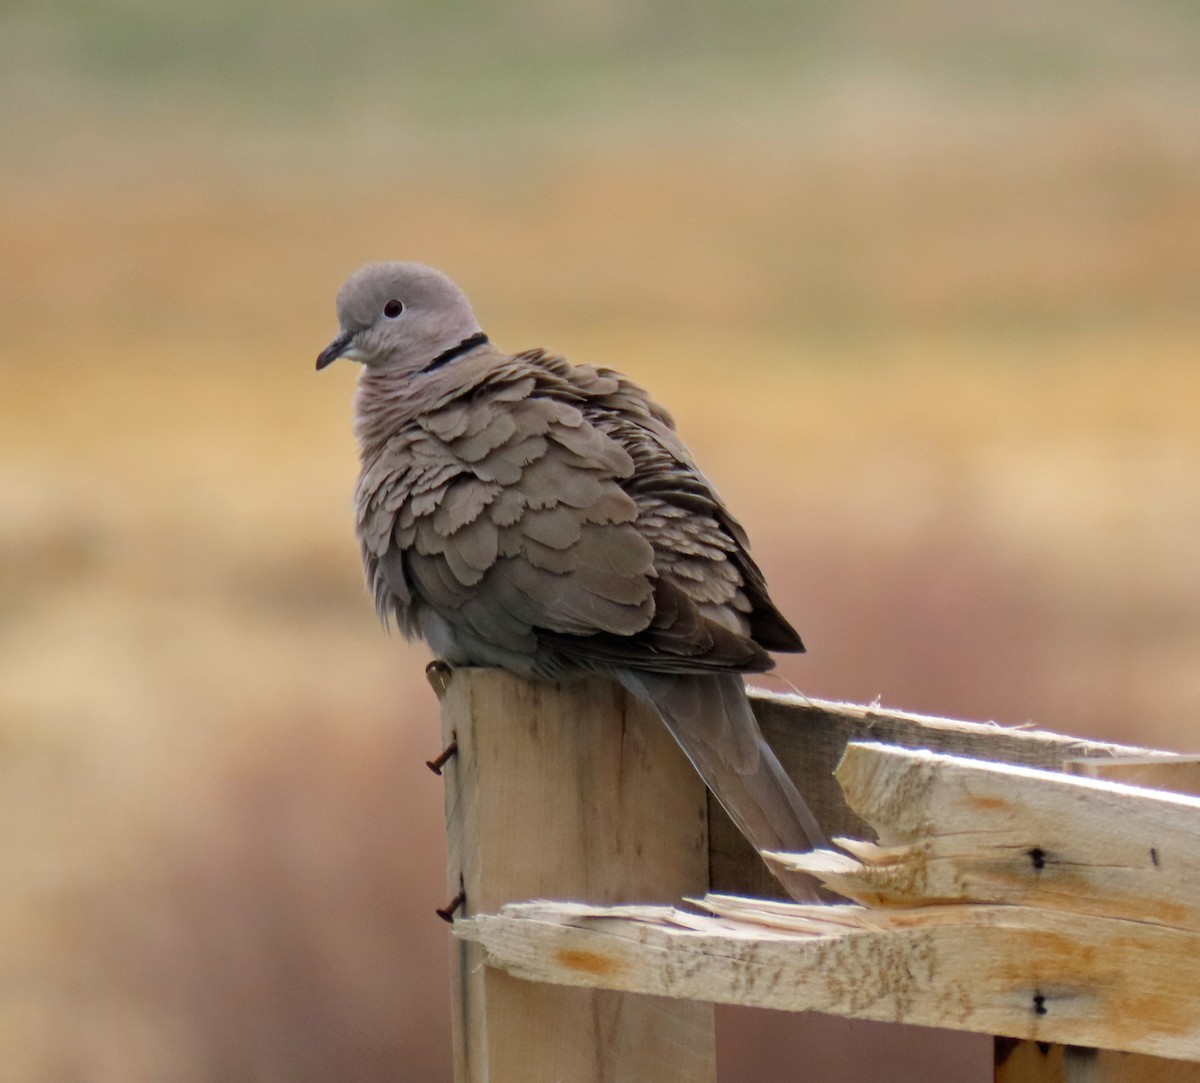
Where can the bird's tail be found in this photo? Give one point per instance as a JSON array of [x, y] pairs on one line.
[[711, 719]]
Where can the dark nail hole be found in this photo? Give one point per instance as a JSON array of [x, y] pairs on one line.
[[1154, 856], [1038, 856], [1039, 1004]]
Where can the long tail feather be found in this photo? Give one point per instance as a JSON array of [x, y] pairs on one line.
[[711, 719]]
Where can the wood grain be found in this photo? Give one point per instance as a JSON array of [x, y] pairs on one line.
[[1033, 1062], [1007, 970], [569, 792], [1004, 899], [810, 737], [953, 829], [1063, 914]]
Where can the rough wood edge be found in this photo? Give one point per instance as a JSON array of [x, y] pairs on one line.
[[1026, 974], [810, 736]]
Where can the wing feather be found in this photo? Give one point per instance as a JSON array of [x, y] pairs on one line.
[[551, 511]]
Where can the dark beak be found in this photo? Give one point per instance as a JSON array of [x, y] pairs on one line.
[[335, 349]]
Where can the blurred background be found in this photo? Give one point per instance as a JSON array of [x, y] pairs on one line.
[[919, 282]]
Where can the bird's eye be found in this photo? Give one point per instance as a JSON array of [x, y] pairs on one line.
[[392, 309]]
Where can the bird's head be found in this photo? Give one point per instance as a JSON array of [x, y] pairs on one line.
[[399, 316]]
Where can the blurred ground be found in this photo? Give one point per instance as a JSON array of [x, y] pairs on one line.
[[921, 293]]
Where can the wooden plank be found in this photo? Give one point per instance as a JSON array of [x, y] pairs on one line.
[[972, 835], [971, 831], [1031, 1062], [1180, 774], [1016, 971], [810, 737], [570, 792]]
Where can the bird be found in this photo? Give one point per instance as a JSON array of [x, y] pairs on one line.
[[523, 512]]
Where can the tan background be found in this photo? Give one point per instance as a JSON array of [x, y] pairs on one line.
[[919, 282]]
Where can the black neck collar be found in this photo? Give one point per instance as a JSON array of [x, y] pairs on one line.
[[446, 356]]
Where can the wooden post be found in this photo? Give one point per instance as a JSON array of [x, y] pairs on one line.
[[1043, 1062], [570, 792]]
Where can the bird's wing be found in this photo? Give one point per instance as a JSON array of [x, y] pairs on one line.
[[698, 542], [513, 514]]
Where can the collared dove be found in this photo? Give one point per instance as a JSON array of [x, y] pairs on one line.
[[516, 510]]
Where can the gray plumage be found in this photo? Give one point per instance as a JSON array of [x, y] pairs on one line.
[[522, 512]]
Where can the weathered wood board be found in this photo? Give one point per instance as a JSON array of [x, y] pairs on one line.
[[810, 737], [1006, 897], [991, 969], [575, 792], [1005, 900], [953, 829], [1042, 1062]]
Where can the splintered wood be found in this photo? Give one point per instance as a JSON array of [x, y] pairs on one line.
[[957, 830], [998, 898]]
